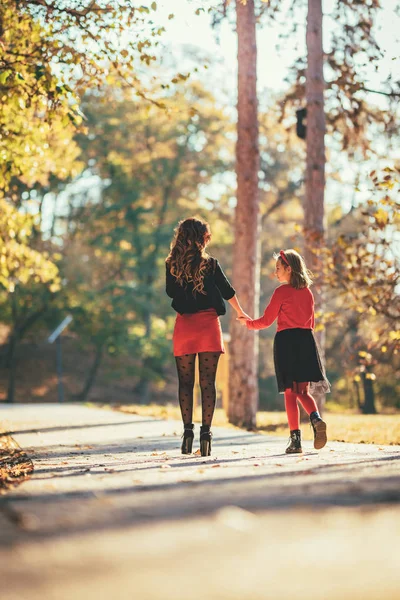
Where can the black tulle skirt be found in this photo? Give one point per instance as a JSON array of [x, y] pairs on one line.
[[297, 359]]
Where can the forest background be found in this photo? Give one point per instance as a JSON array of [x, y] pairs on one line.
[[118, 120]]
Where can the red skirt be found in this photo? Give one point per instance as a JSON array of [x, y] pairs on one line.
[[198, 332]]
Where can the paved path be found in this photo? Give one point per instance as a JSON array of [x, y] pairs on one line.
[[113, 508]]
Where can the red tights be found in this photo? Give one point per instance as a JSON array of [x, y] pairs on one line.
[[299, 391]]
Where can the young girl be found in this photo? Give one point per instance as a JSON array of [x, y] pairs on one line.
[[297, 361], [198, 287]]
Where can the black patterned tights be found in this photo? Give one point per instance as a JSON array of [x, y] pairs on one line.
[[208, 363]]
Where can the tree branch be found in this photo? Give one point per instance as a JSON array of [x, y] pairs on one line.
[[389, 94]]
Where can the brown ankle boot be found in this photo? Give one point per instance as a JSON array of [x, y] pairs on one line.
[[319, 428]]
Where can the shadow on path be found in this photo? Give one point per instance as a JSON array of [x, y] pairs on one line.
[[137, 504], [84, 426]]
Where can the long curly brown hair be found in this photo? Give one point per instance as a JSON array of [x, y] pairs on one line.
[[188, 260]]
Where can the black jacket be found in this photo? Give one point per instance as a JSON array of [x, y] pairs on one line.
[[216, 286]]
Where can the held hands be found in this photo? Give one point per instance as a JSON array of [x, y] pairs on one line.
[[242, 318]]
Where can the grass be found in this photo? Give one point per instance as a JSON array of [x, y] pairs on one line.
[[15, 465], [348, 427]]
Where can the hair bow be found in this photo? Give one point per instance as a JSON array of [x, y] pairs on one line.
[[283, 257]]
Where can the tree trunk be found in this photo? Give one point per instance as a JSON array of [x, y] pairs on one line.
[[11, 368], [243, 363], [358, 396], [368, 408], [11, 354], [314, 231], [92, 374], [143, 389], [19, 329]]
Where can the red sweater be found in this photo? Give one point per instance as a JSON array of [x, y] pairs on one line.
[[294, 308]]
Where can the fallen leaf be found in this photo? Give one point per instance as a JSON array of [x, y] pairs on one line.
[[198, 453], [215, 466]]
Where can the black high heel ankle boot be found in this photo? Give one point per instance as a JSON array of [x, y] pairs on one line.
[[295, 442], [187, 442], [205, 440]]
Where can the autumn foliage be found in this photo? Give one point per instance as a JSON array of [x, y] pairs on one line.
[[104, 148]]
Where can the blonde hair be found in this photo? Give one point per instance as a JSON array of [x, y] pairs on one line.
[[300, 276], [188, 260]]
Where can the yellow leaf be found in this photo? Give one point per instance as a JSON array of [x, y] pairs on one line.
[[381, 217], [125, 245]]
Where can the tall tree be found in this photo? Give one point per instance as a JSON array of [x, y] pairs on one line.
[[361, 266], [152, 164], [314, 230], [243, 384], [50, 52], [28, 281]]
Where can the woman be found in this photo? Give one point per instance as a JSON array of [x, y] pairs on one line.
[[198, 287]]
